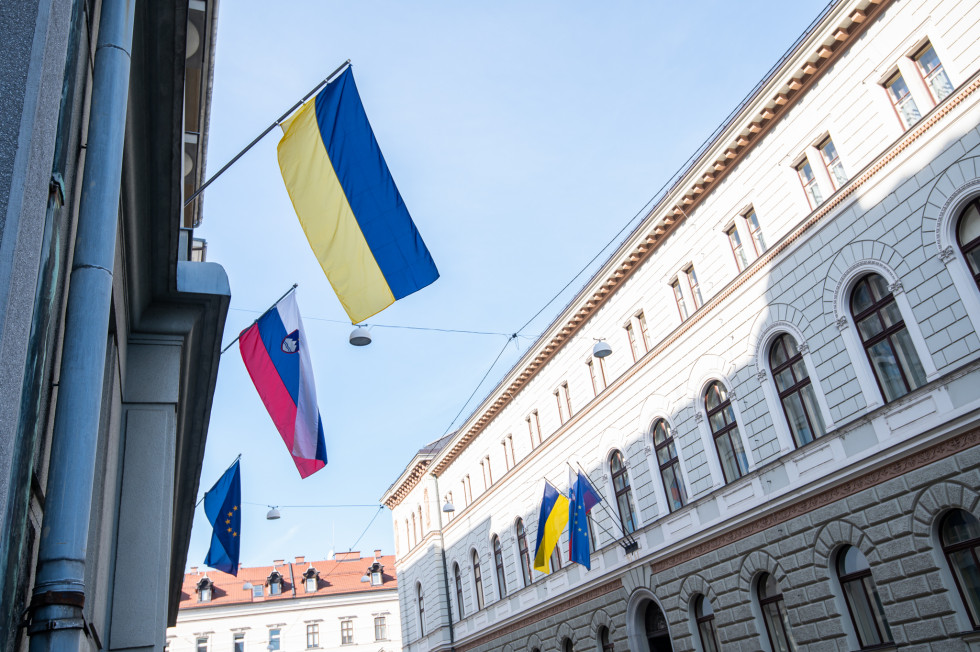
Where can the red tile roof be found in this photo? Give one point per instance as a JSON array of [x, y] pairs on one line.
[[340, 575]]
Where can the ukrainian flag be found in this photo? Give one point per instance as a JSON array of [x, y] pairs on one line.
[[348, 205], [551, 523]]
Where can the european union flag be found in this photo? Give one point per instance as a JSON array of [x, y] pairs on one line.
[[582, 497], [222, 504]]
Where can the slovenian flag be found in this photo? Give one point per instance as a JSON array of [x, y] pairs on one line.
[[348, 205], [276, 354]]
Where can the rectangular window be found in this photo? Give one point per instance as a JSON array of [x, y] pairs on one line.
[[561, 410], [238, 642], [632, 339], [736, 244], [595, 381], [489, 477], [679, 298], [752, 220], [692, 281], [644, 336], [274, 639], [275, 588], [905, 108], [831, 161], [312, 636], [534, 428], [257, 590], [346, 632], [932, 71], [563, 388], [380, 629], [813, 194], [202, 644], [311, 584]]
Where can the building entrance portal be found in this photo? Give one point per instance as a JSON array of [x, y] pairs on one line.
[[658, 638]]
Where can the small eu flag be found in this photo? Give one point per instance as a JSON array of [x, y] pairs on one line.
[[582, 497], [222, 504]]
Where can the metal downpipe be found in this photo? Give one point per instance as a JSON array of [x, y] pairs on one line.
[[57, 620]]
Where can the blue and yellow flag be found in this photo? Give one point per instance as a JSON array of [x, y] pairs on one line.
[[551, 523], [223, 506], [348, 205]]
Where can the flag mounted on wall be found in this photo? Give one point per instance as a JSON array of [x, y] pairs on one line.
[[348, 205], [276, 353], [551, 523], [582, 497], [223, 507]]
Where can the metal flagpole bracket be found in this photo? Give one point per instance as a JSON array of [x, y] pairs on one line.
[[326, 80]]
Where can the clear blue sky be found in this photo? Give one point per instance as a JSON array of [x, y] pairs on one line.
[[522, 136]]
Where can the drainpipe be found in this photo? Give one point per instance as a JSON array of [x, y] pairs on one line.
[[445, 567], [57, 619]]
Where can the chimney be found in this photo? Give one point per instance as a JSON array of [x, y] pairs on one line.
[[300, 559], [377, 553], [193, 569], [278, 562]]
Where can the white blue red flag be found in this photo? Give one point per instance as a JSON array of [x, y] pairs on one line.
[[277, 356]]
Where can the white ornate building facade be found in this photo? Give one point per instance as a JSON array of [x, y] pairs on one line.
[[788, 427], [348, 602]]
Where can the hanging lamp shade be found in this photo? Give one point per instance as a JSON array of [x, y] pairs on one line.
[[360, 336], [601, 349], [273, 514]]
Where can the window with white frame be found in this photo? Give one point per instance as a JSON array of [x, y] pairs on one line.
[[959, 534], [564, 401], [831, 161], [380, 628], [523, 551], [809, 181], [902, 101], [477, 579], [755, 231], [498, 563], [695, 286], [735, 242], [675, 287], [238, 642], [886, 340], [621, 489], [933, 73], [347, 632], [631, 336], [641, 321], [274, 635], [555, 559], [795, 390], [597, 372], [669, 464], [724, 431], [534, 428], [202, 644], [312, 636]]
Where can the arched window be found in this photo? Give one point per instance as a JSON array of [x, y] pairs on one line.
[[522, 548], [959, 532], [459, 591], [863, 602], [886, 341], [418, 596], [670, 466], [621, 485], [566, 645], [477, 579], [774, 613], [968, 237], [655, 625], [556, 558], [604, 643], [724, 429], [498, 562], [795, 390], [704, 617]]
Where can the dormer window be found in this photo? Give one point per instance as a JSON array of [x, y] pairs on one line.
[[375, 572], [310, 579], [204, 589], [275, 583]]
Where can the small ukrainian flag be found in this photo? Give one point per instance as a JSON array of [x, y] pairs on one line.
[[348, 205]]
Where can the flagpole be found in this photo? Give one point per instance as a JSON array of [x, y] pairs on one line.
[[626, 537], [222, 473], [276, 303], [265, 133]]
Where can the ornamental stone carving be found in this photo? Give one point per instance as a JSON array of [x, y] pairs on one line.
[[947, 255], [803, 347], [761, 376], [896, 287], [842, 324], [698, 417]]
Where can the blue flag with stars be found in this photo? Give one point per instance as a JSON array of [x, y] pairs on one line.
[[222, 504], [582, 497]]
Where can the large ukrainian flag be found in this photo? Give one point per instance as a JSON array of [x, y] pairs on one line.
[[348, 205], [551, 523]]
